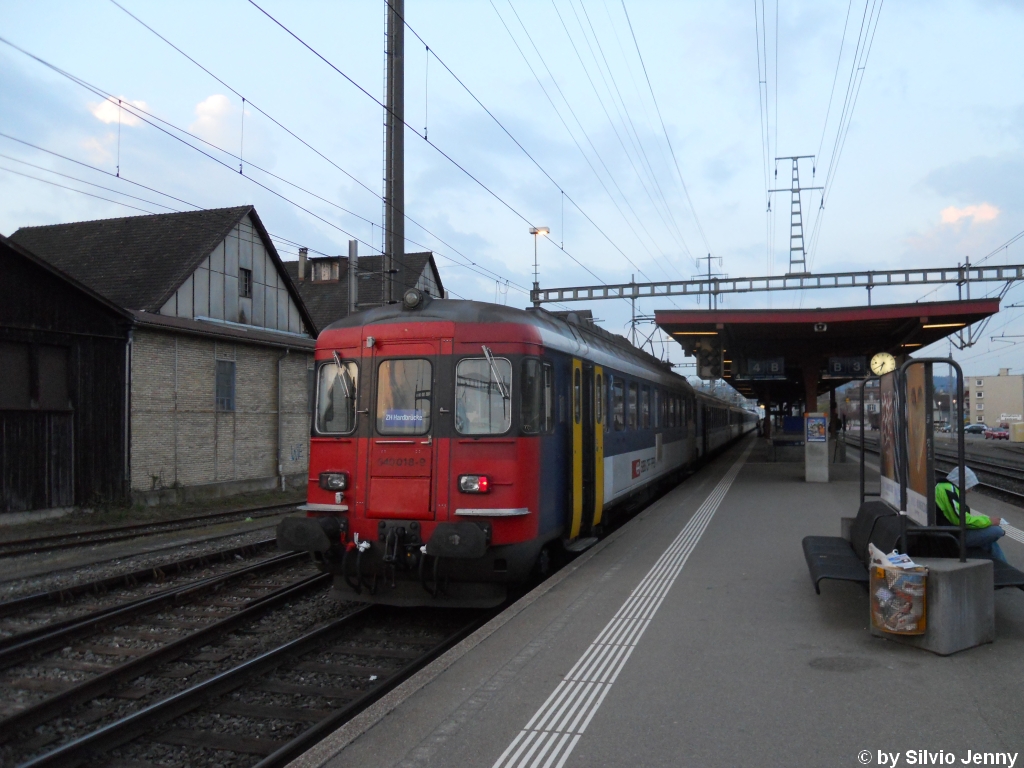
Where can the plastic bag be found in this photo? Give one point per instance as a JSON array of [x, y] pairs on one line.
[[899, 589]]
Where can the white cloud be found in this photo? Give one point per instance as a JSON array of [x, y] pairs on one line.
[[216, 116], [108, 112], [977, 213]]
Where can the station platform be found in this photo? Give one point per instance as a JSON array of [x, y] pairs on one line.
[[692, 635]]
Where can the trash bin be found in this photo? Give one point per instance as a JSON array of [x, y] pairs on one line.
[[899, 599]]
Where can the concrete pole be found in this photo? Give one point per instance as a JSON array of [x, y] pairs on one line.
[[394, 155], [353, 276]]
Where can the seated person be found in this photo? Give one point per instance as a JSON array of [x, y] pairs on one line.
[[983, 532]]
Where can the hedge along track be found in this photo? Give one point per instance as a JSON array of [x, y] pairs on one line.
[[117, 533], [305, 687], [69, 664]]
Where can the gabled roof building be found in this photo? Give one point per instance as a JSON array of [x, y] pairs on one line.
[[218, 349], [323, 283]]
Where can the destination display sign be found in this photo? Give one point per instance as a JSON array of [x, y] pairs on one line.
[[847, 368], [762, 369]]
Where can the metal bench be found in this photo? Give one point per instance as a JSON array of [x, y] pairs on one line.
[[833, 557]]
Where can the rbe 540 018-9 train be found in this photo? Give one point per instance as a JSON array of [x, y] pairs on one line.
[[456, 443]]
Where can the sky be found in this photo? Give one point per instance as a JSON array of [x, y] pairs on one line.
[[568, 114]]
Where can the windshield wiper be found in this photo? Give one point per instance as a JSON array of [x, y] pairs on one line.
[[494, 372], [344, 383]]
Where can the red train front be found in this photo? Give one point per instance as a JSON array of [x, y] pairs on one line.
[[413, 481]]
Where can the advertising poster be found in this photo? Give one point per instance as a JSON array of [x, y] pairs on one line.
[[918, 445], [817, 430], [888, 446]]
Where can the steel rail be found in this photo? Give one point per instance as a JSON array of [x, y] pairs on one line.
[[791, 282], [23, 645], [1013, 473], [113, 533], [47, 709], [138, 723], [134, 578]]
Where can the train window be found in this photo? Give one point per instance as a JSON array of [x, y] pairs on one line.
[[337, 397], [631, 405], [483, 396], [404, 391], [672, 412], [618, 405], [662, 409], [577, 395], [645, 408], [535, 408], [598, 399]]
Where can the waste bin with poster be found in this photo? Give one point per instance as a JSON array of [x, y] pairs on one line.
[[899, 589]]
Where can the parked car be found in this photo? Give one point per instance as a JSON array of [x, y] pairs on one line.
[[975, 429], [997, 433]]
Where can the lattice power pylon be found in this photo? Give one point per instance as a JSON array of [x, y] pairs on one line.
[[797, 253]]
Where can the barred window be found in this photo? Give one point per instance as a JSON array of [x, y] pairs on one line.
[[225, 385]]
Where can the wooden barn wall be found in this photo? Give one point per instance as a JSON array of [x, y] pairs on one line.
[[76, 456]]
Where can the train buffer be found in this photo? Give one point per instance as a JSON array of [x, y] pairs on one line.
[[691, 636]]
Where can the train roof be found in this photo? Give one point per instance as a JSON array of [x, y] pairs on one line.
[[567, 332]]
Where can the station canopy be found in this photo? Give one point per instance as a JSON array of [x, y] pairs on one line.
[[785, 355]]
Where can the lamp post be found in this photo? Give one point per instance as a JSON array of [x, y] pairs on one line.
[[536, 285]]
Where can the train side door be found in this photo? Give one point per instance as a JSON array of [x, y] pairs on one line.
[[403, 413]]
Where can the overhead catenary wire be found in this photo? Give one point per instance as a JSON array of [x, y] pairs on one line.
[[317, 152], [668, 140], [152, 120], [438, 149], [525, 151]]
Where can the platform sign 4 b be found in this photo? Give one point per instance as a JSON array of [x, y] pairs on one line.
[[763, 369]]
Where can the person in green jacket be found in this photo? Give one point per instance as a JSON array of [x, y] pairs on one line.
[[983, 532]]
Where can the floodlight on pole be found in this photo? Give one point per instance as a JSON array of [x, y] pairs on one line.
[[535, 231]]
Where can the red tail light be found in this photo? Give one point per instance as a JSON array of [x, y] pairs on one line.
[[474, 483]]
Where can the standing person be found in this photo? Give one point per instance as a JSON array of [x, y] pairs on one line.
[[983, 532]]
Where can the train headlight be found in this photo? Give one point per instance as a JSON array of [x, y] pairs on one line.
[[474, 483], [334, 481]]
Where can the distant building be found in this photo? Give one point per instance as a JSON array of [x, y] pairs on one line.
[[323, 283], [995, 400], [218, 347]]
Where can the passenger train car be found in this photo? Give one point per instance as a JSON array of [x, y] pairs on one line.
[[456, 443]]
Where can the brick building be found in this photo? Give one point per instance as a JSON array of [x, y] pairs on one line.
[[219, 350]]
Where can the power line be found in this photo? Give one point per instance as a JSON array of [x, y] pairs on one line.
[[440, 151], [573, 137], [142, 115], [316, 151], [668, 141], [637, 144]]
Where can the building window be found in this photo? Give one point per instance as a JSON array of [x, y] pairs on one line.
[[979, 382], [979, 395], [980, 406], [225, 385], [245, 283]]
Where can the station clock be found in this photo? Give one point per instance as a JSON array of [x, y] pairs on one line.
[[883, 363]]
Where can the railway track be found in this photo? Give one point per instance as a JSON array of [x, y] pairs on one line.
[[996, 476], [52, 670], [116, 533], [269, 708], [140, 577]]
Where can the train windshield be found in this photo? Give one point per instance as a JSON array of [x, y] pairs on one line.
[[336, 397], [404, 389], [483, 396]]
